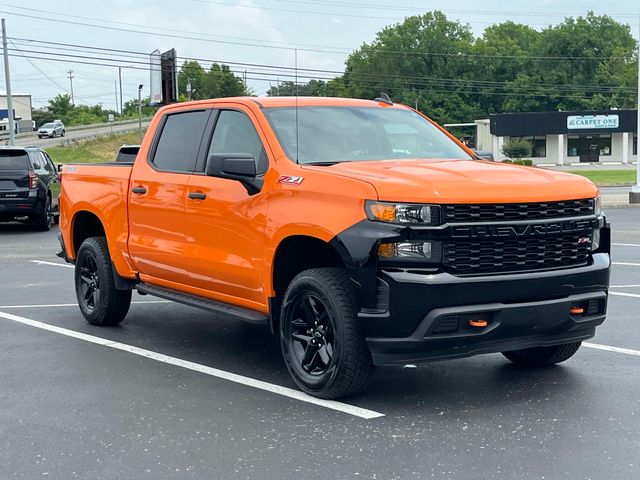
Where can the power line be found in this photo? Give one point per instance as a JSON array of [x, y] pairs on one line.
[[380, 78], [459, 55]]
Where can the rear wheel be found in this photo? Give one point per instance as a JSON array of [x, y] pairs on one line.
[[543, 356], [44, 220], [322, 344], [99, 300]]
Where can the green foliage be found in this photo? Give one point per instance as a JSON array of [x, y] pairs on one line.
[[516, 148], [217, 82], [526, 163], [437, 63]]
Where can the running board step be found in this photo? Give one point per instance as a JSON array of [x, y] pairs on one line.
[[233, 311]]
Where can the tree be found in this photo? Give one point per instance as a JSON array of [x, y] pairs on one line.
[[517, 148], [60, 105], [217, 82]]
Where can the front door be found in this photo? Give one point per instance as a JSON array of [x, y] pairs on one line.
[[224, 224], [157, 196]]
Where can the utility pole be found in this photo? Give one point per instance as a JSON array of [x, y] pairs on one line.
[[140, 111], [70, 72], [7, 77], [634, 194], [120, 77], [115, 86]]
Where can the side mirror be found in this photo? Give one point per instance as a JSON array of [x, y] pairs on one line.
[[59, 167], [235, 166]]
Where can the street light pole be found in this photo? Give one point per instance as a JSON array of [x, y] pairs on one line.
[[7, 76], [634, 194], [140, 111]]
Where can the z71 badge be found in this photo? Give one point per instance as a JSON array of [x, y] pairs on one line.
[[289, 180]]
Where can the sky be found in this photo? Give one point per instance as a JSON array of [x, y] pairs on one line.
[[257, 32]]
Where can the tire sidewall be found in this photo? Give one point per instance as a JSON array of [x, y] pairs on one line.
[[300, 287]]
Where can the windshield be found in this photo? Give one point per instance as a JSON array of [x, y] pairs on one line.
[[341, 134], [48, 125], [13, 160]]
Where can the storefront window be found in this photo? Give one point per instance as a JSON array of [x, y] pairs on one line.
[[538, 145], [572, 145], [604, 143]]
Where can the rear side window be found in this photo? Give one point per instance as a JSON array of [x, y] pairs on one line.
[[177, 147], [235, 133], [36, 161], [13, 160]]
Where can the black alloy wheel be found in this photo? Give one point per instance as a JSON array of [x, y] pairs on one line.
[[311, 335], [89, 283]]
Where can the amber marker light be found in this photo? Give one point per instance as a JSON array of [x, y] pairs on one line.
[[383, 212]]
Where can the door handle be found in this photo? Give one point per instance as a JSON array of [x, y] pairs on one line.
[[197, 195], [139, 190]]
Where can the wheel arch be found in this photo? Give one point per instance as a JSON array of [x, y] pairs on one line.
[[294, 254]]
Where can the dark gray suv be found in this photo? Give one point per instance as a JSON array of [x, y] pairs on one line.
[[28, 187]]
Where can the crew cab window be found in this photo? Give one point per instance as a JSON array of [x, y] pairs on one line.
[[235, 133], [177, 147]]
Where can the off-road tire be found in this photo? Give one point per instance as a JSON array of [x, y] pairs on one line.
[[543, 356], [349, 369], [94, 262]]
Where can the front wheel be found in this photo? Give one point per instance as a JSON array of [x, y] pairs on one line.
[[322, 344], [99, 300], [543, 356]]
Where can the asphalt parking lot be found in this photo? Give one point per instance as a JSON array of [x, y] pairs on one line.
[[178, 393]]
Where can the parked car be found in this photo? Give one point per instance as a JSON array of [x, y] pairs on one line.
[[52, 129], [358, 231], [127, 154], [27, 186]]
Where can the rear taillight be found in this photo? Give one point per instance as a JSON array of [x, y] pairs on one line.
[[33, 180]]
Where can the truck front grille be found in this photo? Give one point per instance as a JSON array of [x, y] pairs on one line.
[[476, 257], [516, 211]]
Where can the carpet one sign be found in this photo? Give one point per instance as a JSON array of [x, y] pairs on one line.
[[578, 122]]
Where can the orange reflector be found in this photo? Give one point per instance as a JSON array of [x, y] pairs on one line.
[[478, 323], [387, 250], [576, 310], [383, 212]]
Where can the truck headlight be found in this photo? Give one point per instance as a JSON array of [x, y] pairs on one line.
[[422, 251], [403, 213], [597, 206]]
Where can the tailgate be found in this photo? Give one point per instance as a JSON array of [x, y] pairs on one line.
[[14, 174]]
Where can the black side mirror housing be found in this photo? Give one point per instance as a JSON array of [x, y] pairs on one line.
[[235, 166], [59, 167]]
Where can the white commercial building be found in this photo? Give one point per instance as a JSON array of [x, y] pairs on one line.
[[21, 110], [564, 138]]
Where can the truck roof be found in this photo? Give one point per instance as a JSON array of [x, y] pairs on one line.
[[300, 101]]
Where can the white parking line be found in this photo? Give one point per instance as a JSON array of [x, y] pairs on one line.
[[627, 264], [56, 305], [626, 244], [625, 286], [607, 348], [624, 294], [196, 367], [55, 264]]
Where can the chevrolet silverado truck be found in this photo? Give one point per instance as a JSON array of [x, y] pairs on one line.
[[360, 232]]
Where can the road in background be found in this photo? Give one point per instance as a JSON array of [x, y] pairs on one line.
[[76, 135]]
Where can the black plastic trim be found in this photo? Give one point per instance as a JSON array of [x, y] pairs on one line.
[[225, 309]]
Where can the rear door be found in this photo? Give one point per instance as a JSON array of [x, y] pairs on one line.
[[158, 190], [14, 175]]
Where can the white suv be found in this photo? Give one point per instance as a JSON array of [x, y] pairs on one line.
[[51, 129]]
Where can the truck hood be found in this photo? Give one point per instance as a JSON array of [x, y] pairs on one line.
[[465, 181]]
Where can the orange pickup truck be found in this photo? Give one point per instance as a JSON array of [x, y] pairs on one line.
[[360, 231]]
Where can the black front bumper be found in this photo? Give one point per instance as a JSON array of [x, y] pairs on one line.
[[428, 314]]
